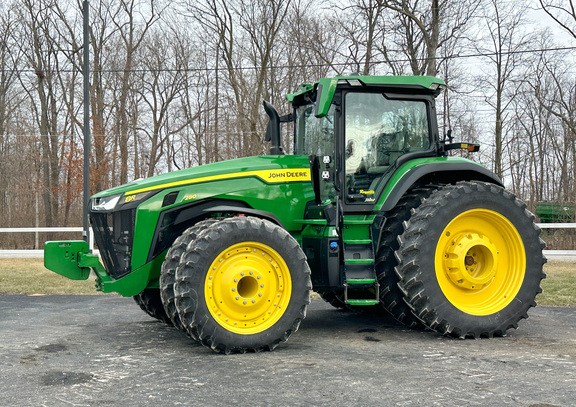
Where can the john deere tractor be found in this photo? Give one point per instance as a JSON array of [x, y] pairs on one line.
[[369, 211]]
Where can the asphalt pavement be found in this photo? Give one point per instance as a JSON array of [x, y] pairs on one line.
[[104, 351]]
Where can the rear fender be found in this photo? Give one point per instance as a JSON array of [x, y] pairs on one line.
[[434, 173]]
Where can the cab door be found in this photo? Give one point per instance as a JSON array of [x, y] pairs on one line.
[[378, 129]]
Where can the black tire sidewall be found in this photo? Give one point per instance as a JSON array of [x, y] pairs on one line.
[[150, 302], [168, 270]]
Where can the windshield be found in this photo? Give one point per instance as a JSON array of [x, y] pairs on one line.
[[313, 135]]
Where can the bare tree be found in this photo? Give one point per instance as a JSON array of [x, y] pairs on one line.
[[503, 49], [10, 57], [361, 27], [162, 83], [41, 55], [563, 12], [245, 32], [132, 25], [555, 90], [426, 27]]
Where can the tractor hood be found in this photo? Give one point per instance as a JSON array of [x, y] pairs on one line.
[[271, 169]]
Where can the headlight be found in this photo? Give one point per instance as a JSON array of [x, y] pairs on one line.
[[105, 203]]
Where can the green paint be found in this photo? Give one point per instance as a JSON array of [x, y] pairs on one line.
[[362, 302], [327, 87], [409, 166], [359, 261], [63, 258], [360, 281]]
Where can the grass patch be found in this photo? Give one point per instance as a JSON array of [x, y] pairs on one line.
[[559, 287], [28, 276]]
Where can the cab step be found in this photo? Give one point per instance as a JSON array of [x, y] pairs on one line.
[[358, 241], [359, 289], [359, 261], [361, 281], [362, 302]]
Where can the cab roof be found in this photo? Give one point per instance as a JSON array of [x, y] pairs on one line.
[[326, 87]]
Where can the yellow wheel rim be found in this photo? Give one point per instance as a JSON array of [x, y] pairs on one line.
[[480, 262], [248, 288]]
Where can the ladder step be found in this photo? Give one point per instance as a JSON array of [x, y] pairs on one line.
[[358, 221], [357, 241], [320, 222], [357, 281], [363, 302], [359, 261]]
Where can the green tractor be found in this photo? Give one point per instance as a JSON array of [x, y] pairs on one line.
[[369, 212]]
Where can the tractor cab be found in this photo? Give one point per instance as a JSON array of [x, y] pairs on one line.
[[358, 130], [369, 140]]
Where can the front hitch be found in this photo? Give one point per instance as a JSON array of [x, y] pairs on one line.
[[72, 259]]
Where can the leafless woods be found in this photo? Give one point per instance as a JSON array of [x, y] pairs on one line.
[[180, 84]]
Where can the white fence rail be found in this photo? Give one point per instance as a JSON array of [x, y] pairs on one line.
[[560, 255], [38, 253]]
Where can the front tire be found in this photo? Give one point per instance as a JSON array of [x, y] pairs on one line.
[[168, 272], [242, 285], [336, 300], [470, 260], [150, 302]]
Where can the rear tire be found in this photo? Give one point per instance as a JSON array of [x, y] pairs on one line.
[[242, 285], [391, 297], [150, 302], [470, 260]]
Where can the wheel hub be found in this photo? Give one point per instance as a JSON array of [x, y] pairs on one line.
[[471, 261], [480, 261], [248, 287]]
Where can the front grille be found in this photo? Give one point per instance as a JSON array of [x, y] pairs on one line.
[[114, 234]]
